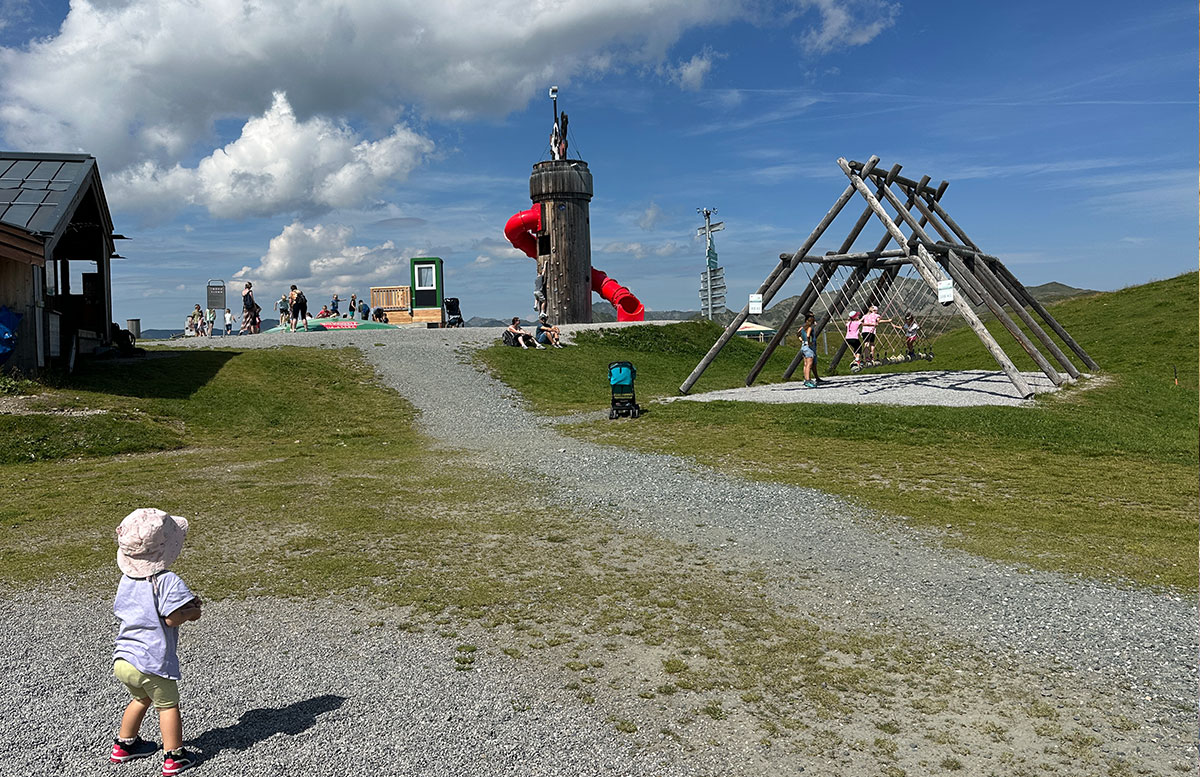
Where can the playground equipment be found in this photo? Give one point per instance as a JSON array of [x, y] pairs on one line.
[[945, 270], [421, 302], [556, 233]]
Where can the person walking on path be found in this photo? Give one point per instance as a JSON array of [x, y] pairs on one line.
[[248, 308], [210, 321], [808, 350], [228, 322], [150, 606]]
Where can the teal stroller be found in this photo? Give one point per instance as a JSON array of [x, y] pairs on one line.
[[624, 400]]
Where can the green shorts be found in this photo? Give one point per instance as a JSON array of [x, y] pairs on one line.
[[163, 692]]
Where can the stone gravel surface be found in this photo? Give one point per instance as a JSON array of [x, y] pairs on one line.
[[1136, 646]]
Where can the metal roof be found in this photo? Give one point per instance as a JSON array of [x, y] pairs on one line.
[[37, 191]]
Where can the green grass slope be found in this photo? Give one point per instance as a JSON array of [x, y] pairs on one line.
[[1098, 480]]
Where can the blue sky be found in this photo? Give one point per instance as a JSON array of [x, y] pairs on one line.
[[325, 143]]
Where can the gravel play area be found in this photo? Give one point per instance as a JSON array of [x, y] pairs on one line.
[[398, 695], [964, 388]]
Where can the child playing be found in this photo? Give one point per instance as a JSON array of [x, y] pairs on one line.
[[912, 330], [151, 604], [228, 322], [853, 330]]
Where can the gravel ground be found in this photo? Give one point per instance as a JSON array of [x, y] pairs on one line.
[[930, 387], [1134, 646], [338, 691]]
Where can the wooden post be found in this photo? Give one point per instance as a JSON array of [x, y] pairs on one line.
[[1021, 292], [984, 274], [927, 268], [804, 301], [959, 271], [769, 287]]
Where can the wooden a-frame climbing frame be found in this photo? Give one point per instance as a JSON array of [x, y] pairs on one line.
[[981, 278]]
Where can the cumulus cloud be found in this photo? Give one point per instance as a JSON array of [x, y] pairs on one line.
[[279, 165], [846, 23], [325, 256], [143, 79], [651, 217]]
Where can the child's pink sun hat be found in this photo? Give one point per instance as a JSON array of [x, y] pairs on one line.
[[149, 541]]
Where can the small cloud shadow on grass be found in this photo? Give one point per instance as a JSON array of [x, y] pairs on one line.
[[257, 725]]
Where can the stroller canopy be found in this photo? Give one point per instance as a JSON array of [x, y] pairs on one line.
[[621, 374]]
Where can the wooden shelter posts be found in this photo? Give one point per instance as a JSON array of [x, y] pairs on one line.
[[1019, 291], [928, 270], [850, 288], [817, 283], [889, 277], [772, 285], [979, 280]]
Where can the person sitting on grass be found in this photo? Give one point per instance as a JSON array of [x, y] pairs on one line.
[[520, 337], [151, 604], [546, 334]]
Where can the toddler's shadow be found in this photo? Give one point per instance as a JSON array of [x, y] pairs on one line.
[[256, 725]]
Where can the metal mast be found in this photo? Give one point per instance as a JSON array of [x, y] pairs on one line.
[[712, 280]]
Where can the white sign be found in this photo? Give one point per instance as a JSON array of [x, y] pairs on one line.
[[755, 304], [945, 291]]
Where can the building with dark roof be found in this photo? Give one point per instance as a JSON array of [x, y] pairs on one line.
[[56, 251]]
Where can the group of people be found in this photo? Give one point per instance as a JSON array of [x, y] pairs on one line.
[[544, 336], [860, 336], [202, 323], [293, 309]]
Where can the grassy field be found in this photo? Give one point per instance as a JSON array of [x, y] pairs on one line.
[[303, 477], [1099, 480]]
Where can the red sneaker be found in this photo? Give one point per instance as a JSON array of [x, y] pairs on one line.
[[176, 761], [138, 748]]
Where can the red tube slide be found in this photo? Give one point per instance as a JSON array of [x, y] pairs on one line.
[[629, 307], [521, 230]]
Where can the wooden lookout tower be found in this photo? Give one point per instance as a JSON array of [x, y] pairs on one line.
[[946, 266]]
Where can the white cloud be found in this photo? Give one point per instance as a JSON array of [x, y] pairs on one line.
[[690, 75], [145, 80], [324, 257], [846, 23], [651, 217], [279, 165]]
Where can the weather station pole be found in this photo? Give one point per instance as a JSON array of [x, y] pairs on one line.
[[712, 280]]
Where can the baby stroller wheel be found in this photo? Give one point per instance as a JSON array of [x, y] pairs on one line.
[[612, 415], [634, 413]]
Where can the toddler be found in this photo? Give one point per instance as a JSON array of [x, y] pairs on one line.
[[151, 604]]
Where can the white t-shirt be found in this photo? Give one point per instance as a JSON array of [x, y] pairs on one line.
[[228, 318]]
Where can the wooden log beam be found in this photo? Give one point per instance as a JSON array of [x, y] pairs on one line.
[[928, 270], [958, 271], [998, 289], [1022, 293], [856, 279], [906, 182], [854, 258], [1018, 290], [817, 285], [769, 287]]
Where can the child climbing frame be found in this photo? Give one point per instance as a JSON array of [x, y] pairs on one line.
[[906, 281]]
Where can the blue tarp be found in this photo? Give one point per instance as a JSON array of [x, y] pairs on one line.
[[8, 332]]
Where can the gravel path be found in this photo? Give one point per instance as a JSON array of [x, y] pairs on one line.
[[1136, 646]]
